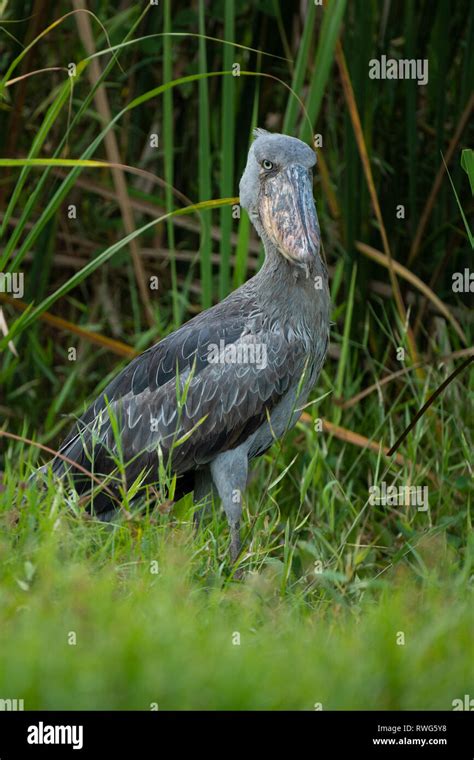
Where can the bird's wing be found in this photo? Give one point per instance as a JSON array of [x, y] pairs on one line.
[[174, 395]]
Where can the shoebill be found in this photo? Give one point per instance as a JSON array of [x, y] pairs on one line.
[[217, 392]]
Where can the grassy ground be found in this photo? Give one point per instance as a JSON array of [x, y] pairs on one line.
[[186, 642], [97, 628], [343, 603]]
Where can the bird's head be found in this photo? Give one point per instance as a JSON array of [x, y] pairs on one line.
[[276, 189]]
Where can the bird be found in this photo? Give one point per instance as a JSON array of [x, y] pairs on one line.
[[216, 393]]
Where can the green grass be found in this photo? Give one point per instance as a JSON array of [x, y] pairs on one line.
[[170, 637]]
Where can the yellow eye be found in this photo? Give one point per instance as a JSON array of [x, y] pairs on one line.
[[267, 165]]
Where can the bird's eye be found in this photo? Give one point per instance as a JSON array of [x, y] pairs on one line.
[[267, 165]]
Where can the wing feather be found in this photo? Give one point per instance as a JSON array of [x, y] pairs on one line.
[[225, 403]]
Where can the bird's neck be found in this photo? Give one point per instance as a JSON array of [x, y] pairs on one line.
[[286, 288], [276, 268]]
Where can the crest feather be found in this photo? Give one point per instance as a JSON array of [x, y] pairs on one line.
[[259, 132]]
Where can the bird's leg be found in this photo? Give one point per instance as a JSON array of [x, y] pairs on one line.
[[203, 493], [235, 542], [229, 473], [197, 518]]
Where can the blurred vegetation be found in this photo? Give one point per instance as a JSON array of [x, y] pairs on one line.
[[88, 623], [88, 238]]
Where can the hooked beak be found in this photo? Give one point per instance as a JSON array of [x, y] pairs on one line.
[[288, 215]]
